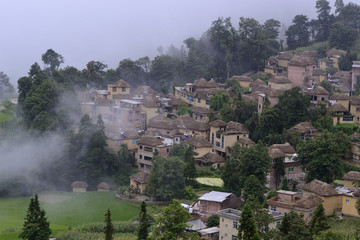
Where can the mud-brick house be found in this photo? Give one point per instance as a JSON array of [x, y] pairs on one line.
[[188, 126], [283, 59], [355, 108], [212, 160], [334, 55], [244, 81], [229, 222], [102, 94], [256, 85], [198, 93], [286, 201], [212, 202], [332, 200], [300, 71], [318, 75], [355, 148], [162, 123], [279, 83], [224, 135], [200, 114], [340, 114], [139, 181], [317, 95], [200, 145], [306, 130], [103, 187], [246, 142], [293, 169], [146, 147], [119, 90], [129, 112], [141, 92], [150, 105], [340, 98], [352, 180], [355, 76], [79, 186], [209, 233], [349, 203], [119, 136]]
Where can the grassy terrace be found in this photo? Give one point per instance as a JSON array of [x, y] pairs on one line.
[[64, 209]]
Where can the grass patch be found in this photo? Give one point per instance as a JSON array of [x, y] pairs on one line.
[[346, 227], [76, 209], [211, 181], [4, 117]]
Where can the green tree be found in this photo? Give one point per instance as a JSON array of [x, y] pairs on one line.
[[342, 36], [183, 109], [346, 61], [298, 33], [190, 172], [324, 20], [6, 88], [144, 223], [318, 221], [293, 106], [285, 184], [247, 228], [36, 225], [349, 15], [255, 161], [322, 157], [268, 124], [213, 221], [293, 227], [253, 187], [218, 101], [94, 73], [279, 170], [109, 228], [230, 173], [52, 59], [167, 180], [172, 223]]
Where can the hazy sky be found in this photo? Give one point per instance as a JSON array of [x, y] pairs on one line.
[[111, 30]]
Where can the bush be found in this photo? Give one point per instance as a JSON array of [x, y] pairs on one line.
[[76, 235], [189, 193], [98, 227], [213, 221]]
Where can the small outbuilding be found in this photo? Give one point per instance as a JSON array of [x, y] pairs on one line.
[[103, 187], [79, 186]]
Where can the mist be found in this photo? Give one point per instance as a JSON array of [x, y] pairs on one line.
[[82, 31]]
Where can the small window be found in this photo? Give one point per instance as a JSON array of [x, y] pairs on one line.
[[233, 237], [119, 142], [199, 100], [291, 169], [167, 150], [222, 219], [217, 144], [347, 201], [140, 156], [238, 137], [235, 224], [140, 146], [134, 141], [273, 208], [114, 89], [207, 102], [123, 89], [278, 224]]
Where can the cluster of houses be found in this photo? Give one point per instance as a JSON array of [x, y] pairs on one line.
[[338, 200], [148, 123]]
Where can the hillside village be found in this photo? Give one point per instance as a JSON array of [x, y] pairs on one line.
[[250, 131], [150, 123]]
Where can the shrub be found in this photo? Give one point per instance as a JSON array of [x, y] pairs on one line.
[[98, 227]]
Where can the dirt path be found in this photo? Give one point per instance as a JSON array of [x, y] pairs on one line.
[[54, 198]]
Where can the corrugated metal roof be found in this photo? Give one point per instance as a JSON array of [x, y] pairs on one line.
[[215, 196]]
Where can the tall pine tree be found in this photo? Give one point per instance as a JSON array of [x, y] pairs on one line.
[[144, 223], [109, 228], [318, 221], [247, 228], [36, 225]]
